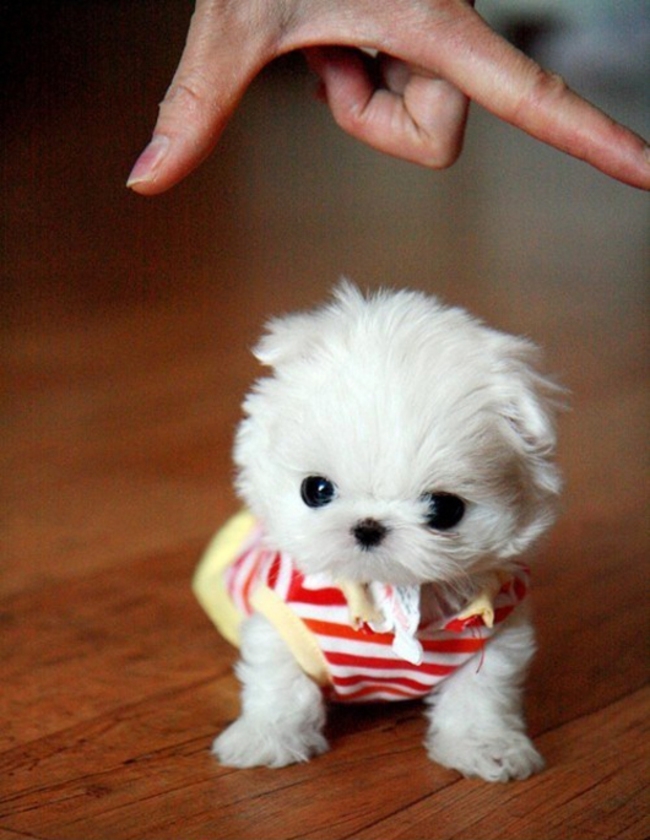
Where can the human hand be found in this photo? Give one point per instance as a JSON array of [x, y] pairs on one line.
[[411, 101]]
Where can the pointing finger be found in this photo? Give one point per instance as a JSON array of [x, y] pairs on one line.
[[465, 51], [221, 57]]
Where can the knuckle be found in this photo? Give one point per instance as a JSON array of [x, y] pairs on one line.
[[440, 152], [185, 93], [440, 145], [442, 157], [189, 101], [545, 87], [351, 116]]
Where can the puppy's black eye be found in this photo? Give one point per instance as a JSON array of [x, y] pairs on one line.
[[317, 491], [444, 510]]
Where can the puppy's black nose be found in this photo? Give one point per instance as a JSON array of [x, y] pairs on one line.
[[369, 533]]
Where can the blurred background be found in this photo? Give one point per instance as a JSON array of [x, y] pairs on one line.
[[127, 322]]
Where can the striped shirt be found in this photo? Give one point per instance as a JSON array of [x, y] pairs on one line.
[[360, 664]]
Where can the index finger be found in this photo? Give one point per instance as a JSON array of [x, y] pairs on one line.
[[490, 71]]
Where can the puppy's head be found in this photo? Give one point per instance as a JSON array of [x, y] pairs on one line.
[[397, 440]]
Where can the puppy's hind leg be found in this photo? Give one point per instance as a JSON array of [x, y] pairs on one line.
[[283, 711]]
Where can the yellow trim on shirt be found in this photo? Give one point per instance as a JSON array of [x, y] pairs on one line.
[[209, 587], [208, 581], [294, 632]]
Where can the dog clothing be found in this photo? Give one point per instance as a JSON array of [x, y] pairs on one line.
[[336, 647]]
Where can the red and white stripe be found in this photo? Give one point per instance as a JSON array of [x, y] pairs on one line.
[[362, 664]]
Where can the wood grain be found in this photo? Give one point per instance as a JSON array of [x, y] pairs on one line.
[[126, 328]]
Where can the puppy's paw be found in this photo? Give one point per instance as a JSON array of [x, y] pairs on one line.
[[495, 757], [247, 743]]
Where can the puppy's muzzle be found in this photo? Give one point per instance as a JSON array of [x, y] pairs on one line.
[[369, 533]]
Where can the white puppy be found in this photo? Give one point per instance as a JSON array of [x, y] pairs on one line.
[[395, 464]]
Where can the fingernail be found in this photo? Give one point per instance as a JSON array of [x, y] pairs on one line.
[[146, 165]]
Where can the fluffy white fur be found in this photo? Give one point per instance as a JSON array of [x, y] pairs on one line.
[[391, 396]]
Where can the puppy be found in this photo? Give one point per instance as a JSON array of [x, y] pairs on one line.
[[395, 465]]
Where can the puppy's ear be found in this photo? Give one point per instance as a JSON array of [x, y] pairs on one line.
[[286, 338], [299, 335], [530, 403]]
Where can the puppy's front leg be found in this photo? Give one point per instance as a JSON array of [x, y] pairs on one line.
[[476, 718], [283, 712]]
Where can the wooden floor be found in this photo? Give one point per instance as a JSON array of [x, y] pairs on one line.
[[126, 327]]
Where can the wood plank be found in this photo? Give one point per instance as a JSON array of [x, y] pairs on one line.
[[375, 782], [97, 643], [577, 796]]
